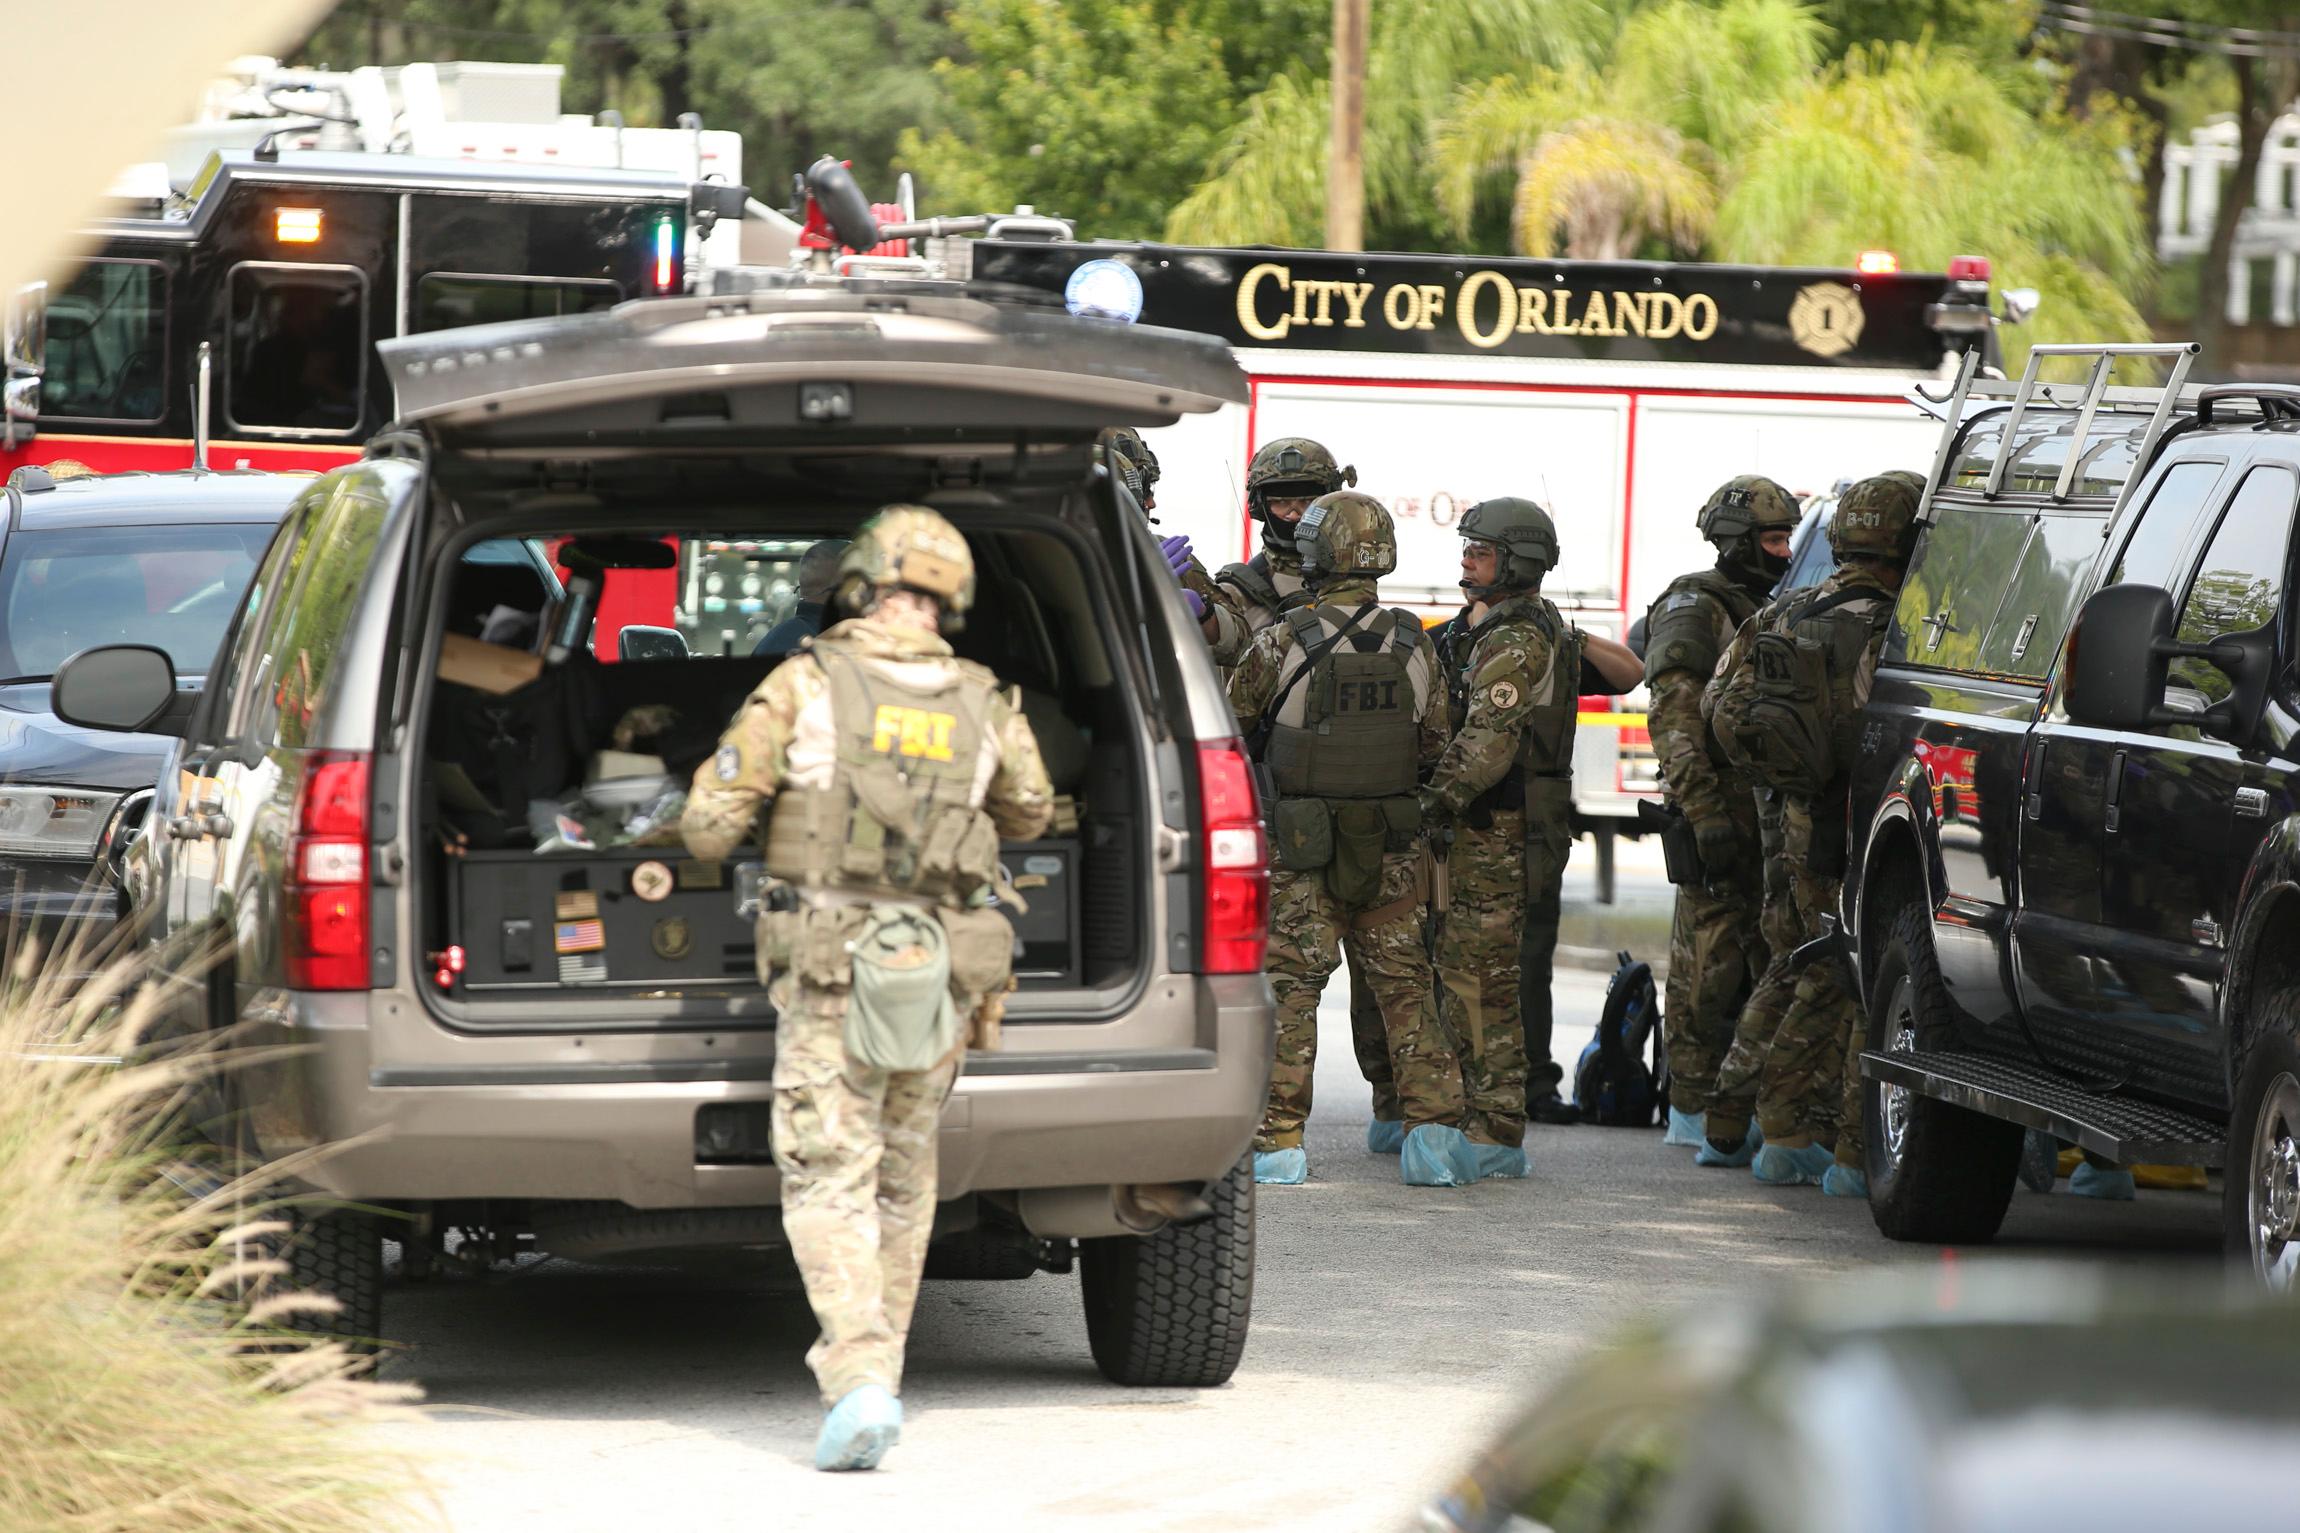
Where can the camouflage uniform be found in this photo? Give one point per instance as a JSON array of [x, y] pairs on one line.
[[1504, 784], [1805, 1090], [1255, 594], [856, 1145], [1716, 948], [1309, 924], [1138, 470], [1734, 1100]]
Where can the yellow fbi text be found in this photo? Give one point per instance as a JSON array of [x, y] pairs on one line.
[[1488, 308], [915, 732]]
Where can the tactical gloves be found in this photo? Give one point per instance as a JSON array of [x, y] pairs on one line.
[[1721, 846]]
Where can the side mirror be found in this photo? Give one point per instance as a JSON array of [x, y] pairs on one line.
[[119, 687], [833, 187], [24, 345], [2020, 304], [2118, 652], [638, 641]]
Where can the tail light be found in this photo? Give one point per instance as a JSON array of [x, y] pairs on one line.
[[1234, 923], [327, 892]]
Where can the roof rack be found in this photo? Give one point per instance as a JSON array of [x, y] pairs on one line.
[[2180, 353]]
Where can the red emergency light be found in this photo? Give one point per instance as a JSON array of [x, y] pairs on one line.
[[1969, 269], [1877, 263]]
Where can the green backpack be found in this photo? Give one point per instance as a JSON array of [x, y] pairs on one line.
[[1775, 714]]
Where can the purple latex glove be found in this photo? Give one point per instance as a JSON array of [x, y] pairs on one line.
[[1197, 603], [1177, 552]]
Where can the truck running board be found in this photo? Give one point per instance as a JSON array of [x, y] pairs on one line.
[[2125, 1131]]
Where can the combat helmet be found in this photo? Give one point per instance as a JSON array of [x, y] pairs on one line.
[[1288, 466], [1876, 519], [1525, 535], [1137, 464], [907, 548], [1346, 533], [1736, 518]]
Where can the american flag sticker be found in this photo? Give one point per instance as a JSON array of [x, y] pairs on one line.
[[578, 937], [575, 969]]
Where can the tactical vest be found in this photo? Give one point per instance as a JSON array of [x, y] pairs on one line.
[[899, 817], [1358, 734], [1545, 748], [1259, 582], [1784, 714], [1681, 627]]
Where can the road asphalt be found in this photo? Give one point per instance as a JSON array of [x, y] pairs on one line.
[[1394, 1330]]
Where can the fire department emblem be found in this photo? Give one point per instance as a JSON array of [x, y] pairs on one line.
[[1826, 319]]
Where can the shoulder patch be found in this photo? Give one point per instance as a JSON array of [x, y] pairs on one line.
[[1502, 694], [1681, 599], [727, 765]]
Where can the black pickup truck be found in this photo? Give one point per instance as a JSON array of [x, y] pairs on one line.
[[2073, 886]]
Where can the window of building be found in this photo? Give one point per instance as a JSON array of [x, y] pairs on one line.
[[298, 348], [107, 344], [444, 300]]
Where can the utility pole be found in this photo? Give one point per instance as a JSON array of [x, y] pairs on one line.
[[1346, 154]]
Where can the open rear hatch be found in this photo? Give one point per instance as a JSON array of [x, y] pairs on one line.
[[730, 437]]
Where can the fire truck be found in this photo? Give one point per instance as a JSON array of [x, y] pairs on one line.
[[241, 283], [1617, 394]]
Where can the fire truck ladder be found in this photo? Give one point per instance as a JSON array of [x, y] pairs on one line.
[[2088, 398]]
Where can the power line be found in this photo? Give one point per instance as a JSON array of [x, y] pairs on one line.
[[2169, 32], [450, 29]]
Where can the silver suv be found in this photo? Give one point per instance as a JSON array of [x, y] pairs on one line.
[[427, 803]]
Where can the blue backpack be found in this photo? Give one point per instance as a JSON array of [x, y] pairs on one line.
[[1612, 1082]]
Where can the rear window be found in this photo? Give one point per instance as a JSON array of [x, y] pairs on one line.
[[2040, 449], [171, 586]]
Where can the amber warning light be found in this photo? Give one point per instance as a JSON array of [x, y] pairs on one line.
[[296, 226], [1878, 263]]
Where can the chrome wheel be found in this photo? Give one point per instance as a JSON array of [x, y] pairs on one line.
[[2273, 1196], [1894, 1102]]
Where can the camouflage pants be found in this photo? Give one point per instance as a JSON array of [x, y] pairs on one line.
[[1733, 1102], [1478, 956], [1802, 1088], [856, 1148], [1716, 956], [1369, 1035], [1307, 929], [1536, 953]]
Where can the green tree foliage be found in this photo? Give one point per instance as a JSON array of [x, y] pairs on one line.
[[1100, 110]]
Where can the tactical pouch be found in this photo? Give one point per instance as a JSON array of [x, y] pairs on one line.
[[1403, 816], [1680, 847], [1301, 835], [981, 951], [819, 943], [900, 1015], [778, 937], [1361, 839], [1826, 855]]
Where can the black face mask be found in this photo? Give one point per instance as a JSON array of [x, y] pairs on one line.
[[1747, 562]]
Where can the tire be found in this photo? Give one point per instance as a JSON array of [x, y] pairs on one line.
[[982, 1255], [1937, 1173], [338, 1253], [1170, 1310], [2260, 1203]]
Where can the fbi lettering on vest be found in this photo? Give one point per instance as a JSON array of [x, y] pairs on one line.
[[916, 732]]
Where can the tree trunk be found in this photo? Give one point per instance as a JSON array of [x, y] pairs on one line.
[[678, 80], [1346, 152], [2256, 108]]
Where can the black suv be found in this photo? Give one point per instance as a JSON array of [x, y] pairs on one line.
[[2074, 882], [87, 560], [430, 809]]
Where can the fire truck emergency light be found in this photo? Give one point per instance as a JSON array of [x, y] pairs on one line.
[[663, 239], [1969, 269], [1877, 263], [296, 226]]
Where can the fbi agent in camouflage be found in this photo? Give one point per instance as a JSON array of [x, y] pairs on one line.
[[1137, 469], [1342, 708], [892, 768], [1504, 789], [1786, 705], [1282, 478], [1716, 951]]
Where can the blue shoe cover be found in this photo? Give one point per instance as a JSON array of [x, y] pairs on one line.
[[1734, 1159], [1498, 1162], [2110, 1184], [1436, 1156], [1685, 1130], [1383, 1138], [1777, 1167], [1844, 1182], [860, 1428], [1283, 1168]]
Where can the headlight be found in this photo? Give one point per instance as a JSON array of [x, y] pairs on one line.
[[53, 822]]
